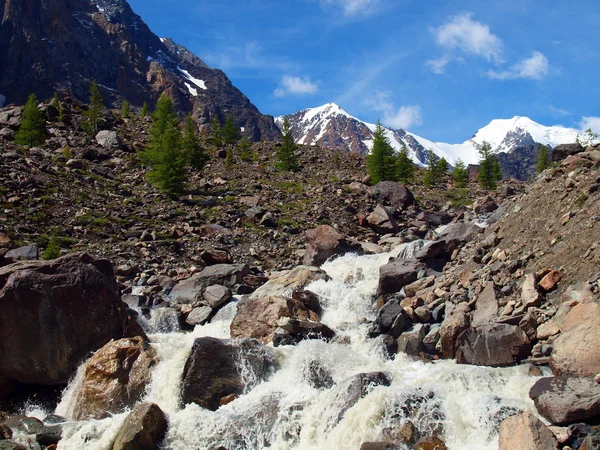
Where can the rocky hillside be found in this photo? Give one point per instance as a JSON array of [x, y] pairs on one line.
[[48, 46]]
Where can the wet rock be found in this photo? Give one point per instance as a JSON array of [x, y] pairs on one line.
[[198, 316], [108, 139], [49, 435], [292, 331], [324, 242], [382, 221], [525, 432], [430, 443], [143, 429], [311, 300], [23, 424], [577, 349], [115, 378], [566, 400], [318, 376], [392, 194], [379, 446], [394, 275], [212, 370], [217, 295], [54, 313], [288, 281], [457, 321], [11, 445], [411, 341], [192, 289], [392, 319], [494, 345]]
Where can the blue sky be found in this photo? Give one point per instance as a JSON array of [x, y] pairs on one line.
[[439, 68]]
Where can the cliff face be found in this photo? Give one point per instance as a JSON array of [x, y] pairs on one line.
[[49, 45]]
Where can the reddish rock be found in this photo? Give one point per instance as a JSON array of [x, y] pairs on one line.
[[143, 429], [324, 242], [550, 280], [457, 321], [525, 432]]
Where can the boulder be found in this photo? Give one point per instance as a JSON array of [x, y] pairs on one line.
[[216, 295], [11, 445], [530, 295], [525, 432], [392, 194], [430, 443], [192, 289], [258, 317], [382, 221], [392, 319], [108, 139], [411, 341], [213, 372], [486, 306], [292, 331], [198, 316], [379, 446], [324, 242], [115, 378], [28, 252], [394, 275], [284, 283], [457, 321], [494, 345], [566, 400], [484, 205], [457, 234], [577, 349], [54, 313], [561, 151], [143, 429]]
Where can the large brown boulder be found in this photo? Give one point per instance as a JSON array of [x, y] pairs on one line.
[[382, 221], [392, 194], [577, 349], [455, 322], [213, 372], [53, 313], [284, 283], [143, 429], [494, 345], [566, 400], [394, 275], [525, 432], [324, 242], [115, 378]]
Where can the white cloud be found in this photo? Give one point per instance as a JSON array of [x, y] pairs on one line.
[[535, 68], [463, 33], [559, 111], [290, 85], [438, 65], [592, 123], [352, 8], [403, 117]]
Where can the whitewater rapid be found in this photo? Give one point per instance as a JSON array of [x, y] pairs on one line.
[[463, 403]]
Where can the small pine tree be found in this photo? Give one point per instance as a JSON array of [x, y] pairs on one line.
[[442, 167], [55, 101], [164, 153], [287, 159], [432, 169], [229, 157], [543, 161], [215, 139], [381, 161], [405, 169], [125, 110], [245, 149], [95, 109], [489, 167], [32, 130], [460, 174], [230, 132], [52, 251], [191, 144], [144, 111]]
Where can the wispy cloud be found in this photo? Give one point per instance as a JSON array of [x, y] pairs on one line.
[[592, 123], [250, 55], [559, 111], [463, 34], [353, 8], [535, 68], [438, 65], [290, 85], [402, 117]]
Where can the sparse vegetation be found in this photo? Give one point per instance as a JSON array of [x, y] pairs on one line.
[[95, 109], [543, 161], [489, 168]]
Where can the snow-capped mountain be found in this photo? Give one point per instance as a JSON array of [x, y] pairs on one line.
[[330, 126]]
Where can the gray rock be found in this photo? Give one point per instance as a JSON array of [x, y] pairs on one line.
[[108, 139], [530, 295], [198, 316], [411, 341], [394, 275], [392, 194], [566, 400], [28, 252], [486, 307], [382, 221], [561, 151], [217, 295], [192, 289]]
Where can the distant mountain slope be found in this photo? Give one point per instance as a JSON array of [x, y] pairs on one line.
[[50, 45], [331, 127]]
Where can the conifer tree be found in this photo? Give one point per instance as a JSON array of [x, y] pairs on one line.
[[125, 110], [460, 174], [543, 161], [432, 169], [381, 161], [191, 144], [442, 167], [245, 149], [95, 109], [229, 157], [164, 153], [287, 159], [215, 138], [489, 167], [144, 111], [32, 130], [230, 132], [405, 169]]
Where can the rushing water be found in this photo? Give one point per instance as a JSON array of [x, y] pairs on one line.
[[287, 412]]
